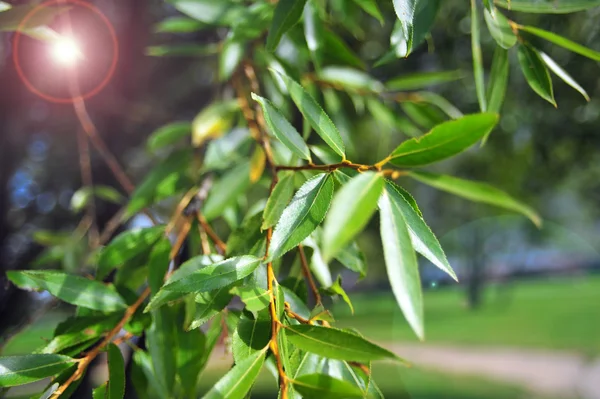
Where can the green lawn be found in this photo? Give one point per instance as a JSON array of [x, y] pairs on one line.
[[562, 314]]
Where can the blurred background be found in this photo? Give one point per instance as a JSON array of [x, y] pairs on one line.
[[524, 321]]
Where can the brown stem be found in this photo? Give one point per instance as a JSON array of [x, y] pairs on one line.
[[330, 167], [221, 246], [308, 275], [295, 315]]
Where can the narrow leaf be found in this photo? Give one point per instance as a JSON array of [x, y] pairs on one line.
[[371, 7], [227, 190], [19, 370], [287, 14], [477, 57], [498, 80], [536, 73], [405, 11], [317, 386], [238, 381], [100, 392], [302, 216], [72, 289], [278, 200], [548, 7], [420, 80], [190, 354], [351, 210], [161, 342], [336, 344], [208, 305], [168, 134], [500, 29], [250, 336], [116, 373], [564, 75], [230, 56], [421, 236], [478, 192], [401, 263], [563, 42], [282, 129], [444, 140], [312, 111]]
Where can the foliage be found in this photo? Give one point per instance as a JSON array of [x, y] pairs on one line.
[[285, 62]]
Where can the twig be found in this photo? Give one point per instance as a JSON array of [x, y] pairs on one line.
[[308, 275], [219, 244], [295, 315]]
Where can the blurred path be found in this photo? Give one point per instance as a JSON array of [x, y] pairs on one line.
[[554, 374]]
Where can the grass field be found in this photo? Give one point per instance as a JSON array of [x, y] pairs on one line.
[[560, 314]]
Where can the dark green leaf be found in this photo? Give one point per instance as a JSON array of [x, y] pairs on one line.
[[162, 342], [563, 42], [250, 336], [564, 75], [190, 354], [282, 129], [421, 236], [278, 200], [500, 29], [238, 381], [336, 344], [19, 370], [158, 264], [116, 373], [164, 180], [444, 140], [215, 276], [126, 246], [548, 7], [371, 7], [304, 213], [313, 112], [287, 14], [338, 52], [208, 305], [71, 289], [498, 80], [247, 238], [421, 80], [168, 134], [477, 57], [536, 73], [350, 212], [227, 190], [401, 263], [80, 329], [475, 191], [321, 386]]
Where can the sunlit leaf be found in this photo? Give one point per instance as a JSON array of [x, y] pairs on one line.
[[500, 29], [19, 370], [238, 381], [563, 42], [536, 73], [564, 75], [316, 386]]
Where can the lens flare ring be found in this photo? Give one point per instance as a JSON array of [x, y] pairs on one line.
[[66, 52]]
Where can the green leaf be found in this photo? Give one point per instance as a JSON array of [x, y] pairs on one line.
[[168, 134], [126, 246], [313, 112], [354, 259], [255, 298], [401, 263], [178, 25], [338, 52], [564, 75], [227, 190], [313, 33], [318, 386], [287, 14], [498, 80], [72, 289], [238, 381], [435, 99], [100, 392], [536, 73], [164, 180], [158, 264], [405, 10], [162, 341], [80, 329], [349, 79], [249, 337], [351, 210], [213, 121], [278, 200], [500, 29], [215, 276], [563, 42], [19, 370], [190, 354], [422, 238], [81, 197], [183, 50], [208, 305], [116, 373], [186, 269], [336, 344], [419, 80], [548, 7], [247, 238], [477, 57], [230, 57], [444, 140], [282, 129], [209, 11], [371, 7], [475, 191], [337, 289], [302, 216]]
